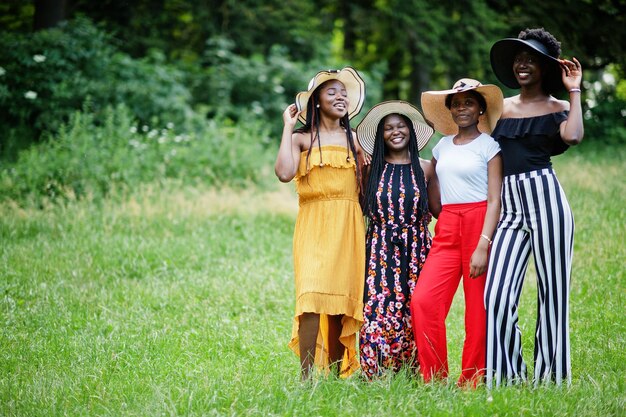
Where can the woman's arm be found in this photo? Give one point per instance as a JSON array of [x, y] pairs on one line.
[[480, 257], [364, 158], [365, 176], [288, 157], [434, 193], [572, 130]]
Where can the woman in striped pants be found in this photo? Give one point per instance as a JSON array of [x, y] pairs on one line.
[[535, 213]]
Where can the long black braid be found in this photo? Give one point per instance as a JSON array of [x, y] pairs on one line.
[[378, 163], [312, 126]]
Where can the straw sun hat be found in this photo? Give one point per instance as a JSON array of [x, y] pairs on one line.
[[503, 53], [355, 86], [436, 112], [366, 130]]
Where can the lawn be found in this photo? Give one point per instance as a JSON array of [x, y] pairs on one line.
[[179, 301]]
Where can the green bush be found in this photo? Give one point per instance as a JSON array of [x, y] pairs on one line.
[[604, 122], [89, 158], [232, 85], [47, 76]]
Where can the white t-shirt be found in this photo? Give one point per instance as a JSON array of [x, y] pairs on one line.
[[462, 169]]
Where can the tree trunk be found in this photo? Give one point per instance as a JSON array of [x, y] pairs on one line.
[[391, 83], [419, 78], [48, 13], [348, 31]]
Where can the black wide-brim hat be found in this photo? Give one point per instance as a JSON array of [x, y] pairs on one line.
[[503, 53]]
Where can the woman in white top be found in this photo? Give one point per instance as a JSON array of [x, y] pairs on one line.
[[469, 169]]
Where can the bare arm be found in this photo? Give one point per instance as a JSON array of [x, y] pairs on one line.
[[363, 156], [434, 193], [480, 257], [288, 157], [572, 130]]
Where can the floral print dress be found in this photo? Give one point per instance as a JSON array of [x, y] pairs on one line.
[[398, 241]]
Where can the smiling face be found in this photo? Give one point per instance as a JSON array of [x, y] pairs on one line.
[[527, 68], [396, 133], [465, 109], [333, 99]]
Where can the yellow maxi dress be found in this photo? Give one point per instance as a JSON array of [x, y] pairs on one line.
[[329, 250]]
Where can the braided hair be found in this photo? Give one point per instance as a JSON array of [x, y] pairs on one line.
[[312, 126], [378, 164]]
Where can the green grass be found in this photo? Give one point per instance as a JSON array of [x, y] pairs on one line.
[[180, 302]]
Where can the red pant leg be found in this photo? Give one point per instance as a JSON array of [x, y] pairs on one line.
[[433, 296], [474, 347]]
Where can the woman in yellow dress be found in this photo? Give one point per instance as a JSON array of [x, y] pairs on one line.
[[329, 237]]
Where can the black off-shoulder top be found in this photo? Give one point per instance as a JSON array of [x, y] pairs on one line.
[[528, 143]]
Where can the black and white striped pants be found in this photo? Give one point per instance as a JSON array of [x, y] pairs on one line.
[[535, 216]]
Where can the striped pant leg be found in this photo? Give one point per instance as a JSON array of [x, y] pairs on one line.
[[508, 261], [552, 230]]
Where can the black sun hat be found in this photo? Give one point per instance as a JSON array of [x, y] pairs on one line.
[[503, 53]]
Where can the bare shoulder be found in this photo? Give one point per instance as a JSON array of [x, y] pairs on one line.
[[427, 167], [514, 107], [357, 144], [510, 106], [301, 140], [512, 99], [559, 105]]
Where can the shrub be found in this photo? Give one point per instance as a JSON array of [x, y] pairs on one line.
[[90, 158], [604, 122], [45, 77], [232, 85]]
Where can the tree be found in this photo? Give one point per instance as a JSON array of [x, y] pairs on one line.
[[48, 13], [181, 28], [420, 42], [592, 30]]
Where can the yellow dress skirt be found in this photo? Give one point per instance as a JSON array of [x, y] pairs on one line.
[[329, 251]]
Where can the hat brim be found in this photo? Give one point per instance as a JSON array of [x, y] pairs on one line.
[[366, 130], [355, 86], [503, 53], [436, 112]]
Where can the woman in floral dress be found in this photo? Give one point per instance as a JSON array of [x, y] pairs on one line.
[[398, 240]]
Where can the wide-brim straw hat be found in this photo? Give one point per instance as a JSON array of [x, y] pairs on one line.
[[355, 86], [503, 53], [366, 130], [436, 112]]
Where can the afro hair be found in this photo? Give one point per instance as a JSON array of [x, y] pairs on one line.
[[543, 36]]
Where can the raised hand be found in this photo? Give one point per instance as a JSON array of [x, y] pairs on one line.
[[572, 73], [290, 115]]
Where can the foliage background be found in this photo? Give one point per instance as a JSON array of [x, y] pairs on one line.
[[203, 67], [176, 61]]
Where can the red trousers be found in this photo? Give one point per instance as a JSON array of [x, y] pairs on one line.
[[457, 233]]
